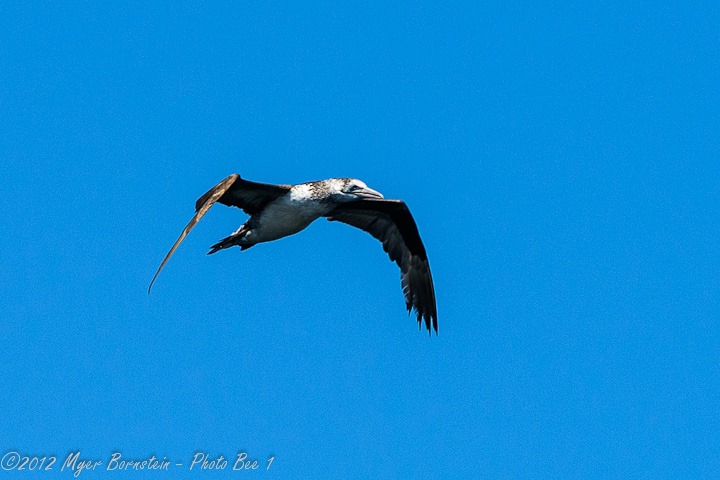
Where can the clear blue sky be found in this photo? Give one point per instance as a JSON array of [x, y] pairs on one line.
[[561, 161]]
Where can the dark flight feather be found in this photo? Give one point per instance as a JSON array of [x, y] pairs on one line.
[[391, 222]]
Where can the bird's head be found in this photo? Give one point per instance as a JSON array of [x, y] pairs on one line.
[[353, 189]]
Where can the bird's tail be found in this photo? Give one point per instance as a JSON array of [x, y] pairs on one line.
[[231, 241]]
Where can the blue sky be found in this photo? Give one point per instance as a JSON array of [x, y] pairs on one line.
[[560, 160]]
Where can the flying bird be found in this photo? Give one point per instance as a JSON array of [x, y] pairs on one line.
[[277, 211]]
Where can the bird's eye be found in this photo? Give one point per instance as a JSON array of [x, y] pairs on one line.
[[352, 188]]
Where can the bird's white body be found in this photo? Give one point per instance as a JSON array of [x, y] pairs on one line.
[[291, 213], [285, 216]]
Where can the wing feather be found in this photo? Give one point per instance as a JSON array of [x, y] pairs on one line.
[[232, 191], [391, 222], [202, 206]]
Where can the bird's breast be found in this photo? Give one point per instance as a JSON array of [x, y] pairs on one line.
[[285, 217]]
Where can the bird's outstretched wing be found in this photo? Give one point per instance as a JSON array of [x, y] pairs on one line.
[[391, 222], [232, 191], [201, 208]]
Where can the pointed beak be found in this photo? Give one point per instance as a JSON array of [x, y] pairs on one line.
[[369, 193]]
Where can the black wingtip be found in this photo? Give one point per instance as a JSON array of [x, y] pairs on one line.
[[152, 282], [430, 322]]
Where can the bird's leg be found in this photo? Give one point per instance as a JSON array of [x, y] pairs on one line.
[[235, 239]]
